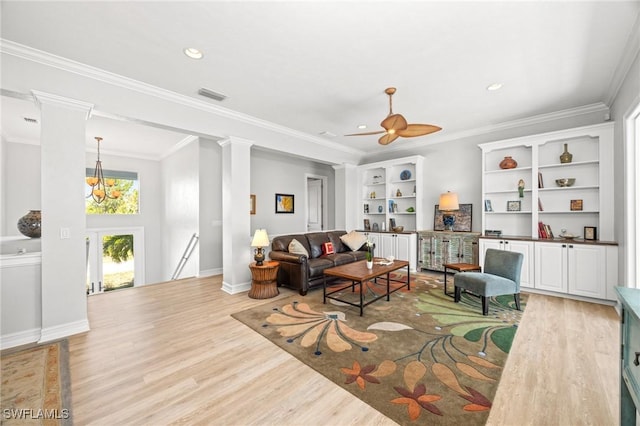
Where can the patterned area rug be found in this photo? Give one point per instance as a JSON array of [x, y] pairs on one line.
[[419, 358], [36, 386]]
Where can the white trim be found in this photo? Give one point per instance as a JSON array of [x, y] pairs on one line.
[[44, 58], [234, 289], [177, 147], [49, 98], [20, 338], [63, 330], [14, 260], [210, 272], [631, 237]]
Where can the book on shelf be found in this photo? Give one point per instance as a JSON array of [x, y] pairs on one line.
[[540, 183], [544, 231], [540, 209]]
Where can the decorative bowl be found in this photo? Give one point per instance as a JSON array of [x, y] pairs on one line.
[[398, 229], [565, 181]]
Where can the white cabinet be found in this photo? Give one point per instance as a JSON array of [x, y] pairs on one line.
[[391, 192], [586, 203], [401, 246], [524, 247], [577, 269]]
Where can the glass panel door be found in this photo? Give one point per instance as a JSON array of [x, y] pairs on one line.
[[114, 260]]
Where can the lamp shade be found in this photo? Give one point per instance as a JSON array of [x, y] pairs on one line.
[[260, 238], [449, 201]]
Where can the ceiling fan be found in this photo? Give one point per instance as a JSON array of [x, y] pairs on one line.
[[395, 126]]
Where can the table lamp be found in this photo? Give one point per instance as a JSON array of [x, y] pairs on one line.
[[448, 204], [260, 240]]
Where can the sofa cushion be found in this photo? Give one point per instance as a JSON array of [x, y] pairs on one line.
[[342, 258], [318, 265], [316, 240], [281, 243], [334, 237], [296, 247], [353, 240]]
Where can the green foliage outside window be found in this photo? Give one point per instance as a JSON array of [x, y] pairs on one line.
[[127, 203]]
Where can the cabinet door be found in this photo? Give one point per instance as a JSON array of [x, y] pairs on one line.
[[403, 246], [526, 248], [468, 250], [586, 273], [387, 245], [551, 267], [487, 244]]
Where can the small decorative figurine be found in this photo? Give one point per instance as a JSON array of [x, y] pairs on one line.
[[398, 193], [521, 188]]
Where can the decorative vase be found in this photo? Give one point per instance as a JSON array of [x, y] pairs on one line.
[[508, 163], [566, 156], [369, 264], [29, 225]]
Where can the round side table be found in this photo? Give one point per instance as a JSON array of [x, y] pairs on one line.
[[263, 282]]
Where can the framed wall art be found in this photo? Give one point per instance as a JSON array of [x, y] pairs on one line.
[[576, 205], [513, 206], [284, 203], [590, 233], [462, 221]]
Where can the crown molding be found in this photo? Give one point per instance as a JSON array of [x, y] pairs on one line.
[[57, 100], [44, 58], [177, 147]]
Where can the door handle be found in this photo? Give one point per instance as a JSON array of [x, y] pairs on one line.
[[636, 361]]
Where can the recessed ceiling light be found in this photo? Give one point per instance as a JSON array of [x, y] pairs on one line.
[[494, 86], [362, 126], [193, 53]]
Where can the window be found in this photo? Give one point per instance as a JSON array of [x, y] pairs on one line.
[[124, 182]]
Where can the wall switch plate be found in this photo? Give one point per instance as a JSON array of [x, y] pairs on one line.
[[65, 233]]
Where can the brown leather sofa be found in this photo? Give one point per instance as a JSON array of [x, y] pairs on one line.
[[300, 272]]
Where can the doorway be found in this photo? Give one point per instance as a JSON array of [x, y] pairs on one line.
[[115, 259], [316, 196]]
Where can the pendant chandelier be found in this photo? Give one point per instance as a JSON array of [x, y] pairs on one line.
[[101, 188]]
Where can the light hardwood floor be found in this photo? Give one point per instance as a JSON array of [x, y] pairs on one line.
[[170, 353]]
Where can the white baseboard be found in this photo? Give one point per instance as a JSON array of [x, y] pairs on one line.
[[64, 330], [20, 338], [210, 272], [237, 288]]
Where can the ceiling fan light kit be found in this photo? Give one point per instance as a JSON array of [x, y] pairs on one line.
[[395, 125]]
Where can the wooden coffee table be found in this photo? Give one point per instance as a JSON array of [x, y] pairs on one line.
[[358, 272]]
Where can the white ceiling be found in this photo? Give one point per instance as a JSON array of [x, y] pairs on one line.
[[317, 66]]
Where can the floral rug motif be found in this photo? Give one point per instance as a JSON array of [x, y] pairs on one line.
[[419, 358]]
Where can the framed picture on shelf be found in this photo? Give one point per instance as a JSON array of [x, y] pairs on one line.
[[284, 203], [367, 225], [462, 222], [487, 206], [513, 206], [392, 224], [576, 205], [590, 233], [366, 209]]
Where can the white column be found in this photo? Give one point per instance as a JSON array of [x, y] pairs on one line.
[[347, 196], [236, 222], [62, 139]]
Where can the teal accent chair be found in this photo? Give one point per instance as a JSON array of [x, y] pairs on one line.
[[501, 275]]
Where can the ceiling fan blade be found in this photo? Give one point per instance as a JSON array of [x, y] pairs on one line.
[[394, 122], [387, 139], [367, 133], [413, 130]]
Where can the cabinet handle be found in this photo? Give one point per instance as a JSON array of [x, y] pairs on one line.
[[506, 242], [570, 245], [636, 362]]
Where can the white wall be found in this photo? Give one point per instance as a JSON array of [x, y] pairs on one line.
[[210, 244], [150, 215], [3, 184], [21, 183], [275, 172], [180, 220]]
